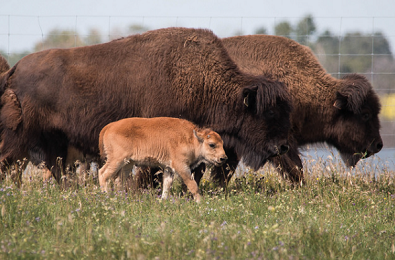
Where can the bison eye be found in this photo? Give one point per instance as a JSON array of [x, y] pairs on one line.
[[212, 145], [365, 116], [270, 114]]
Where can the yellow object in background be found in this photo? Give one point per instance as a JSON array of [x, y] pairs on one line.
[[388, 106]]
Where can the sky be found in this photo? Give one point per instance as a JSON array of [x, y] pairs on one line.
[[25, 22]]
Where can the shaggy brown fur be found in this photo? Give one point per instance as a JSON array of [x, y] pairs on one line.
[[341, 112], [4, 66], [68, 95], [174, 144]]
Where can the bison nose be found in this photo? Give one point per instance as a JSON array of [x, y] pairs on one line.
[[223, 158], [379, 146], [283, 149]]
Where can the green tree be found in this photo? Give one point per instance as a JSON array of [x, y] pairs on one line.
[[261, 30], [304, 29], [358, 50], [136, 29], [327, 50], [13, 58], [283, 29], [93, 37], [59, 39], [328, 42], [381, 44], [238, 33]]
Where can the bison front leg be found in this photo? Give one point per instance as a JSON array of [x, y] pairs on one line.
[[168, 177], [289, 165], [222, 174], [186, 176]]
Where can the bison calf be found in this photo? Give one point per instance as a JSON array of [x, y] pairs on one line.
[[174, 144]]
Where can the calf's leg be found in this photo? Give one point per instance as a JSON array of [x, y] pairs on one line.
[[109, 171], [168, 177], [185, 174]]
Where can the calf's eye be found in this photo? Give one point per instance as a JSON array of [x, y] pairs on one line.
[[212, 145]]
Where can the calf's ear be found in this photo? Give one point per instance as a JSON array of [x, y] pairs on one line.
[[198, 136]]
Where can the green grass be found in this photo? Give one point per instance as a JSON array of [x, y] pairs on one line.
[[333, 216]]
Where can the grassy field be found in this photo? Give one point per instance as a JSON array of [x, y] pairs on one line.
[[335, 215]]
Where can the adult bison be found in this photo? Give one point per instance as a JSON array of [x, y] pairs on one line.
[[66, 96], [341, 112]]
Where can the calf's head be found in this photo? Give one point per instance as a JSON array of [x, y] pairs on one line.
[[211, 148], [356, 125]]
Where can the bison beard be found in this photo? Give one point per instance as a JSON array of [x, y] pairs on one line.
[[67, 96]]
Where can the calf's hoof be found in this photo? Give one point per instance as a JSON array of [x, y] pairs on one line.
[[198, 198]]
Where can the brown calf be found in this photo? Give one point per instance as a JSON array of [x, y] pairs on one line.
[[174, 144]]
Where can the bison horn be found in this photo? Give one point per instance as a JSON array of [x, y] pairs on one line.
[[246, 101], [337, 104]]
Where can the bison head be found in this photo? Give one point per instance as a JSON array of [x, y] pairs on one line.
[[265, 123], [356, 123]]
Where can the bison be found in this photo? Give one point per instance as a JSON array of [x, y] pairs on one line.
[[66, 96], [175, 145], [340, 112]]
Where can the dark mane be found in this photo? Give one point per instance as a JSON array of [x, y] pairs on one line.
[[356, 88]]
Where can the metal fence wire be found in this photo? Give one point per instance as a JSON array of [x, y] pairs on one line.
[[343, 45]]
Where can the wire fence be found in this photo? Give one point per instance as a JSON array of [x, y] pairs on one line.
[[24, 34]]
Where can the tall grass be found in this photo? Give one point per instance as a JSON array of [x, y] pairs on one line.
[[335, 215]]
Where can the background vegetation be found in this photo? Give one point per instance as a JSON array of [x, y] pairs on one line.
[[353, 52]]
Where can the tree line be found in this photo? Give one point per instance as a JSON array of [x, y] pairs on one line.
[[353, 52]]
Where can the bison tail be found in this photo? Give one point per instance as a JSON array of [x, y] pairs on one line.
[[11, 112], [4, 76], [4, 66]]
